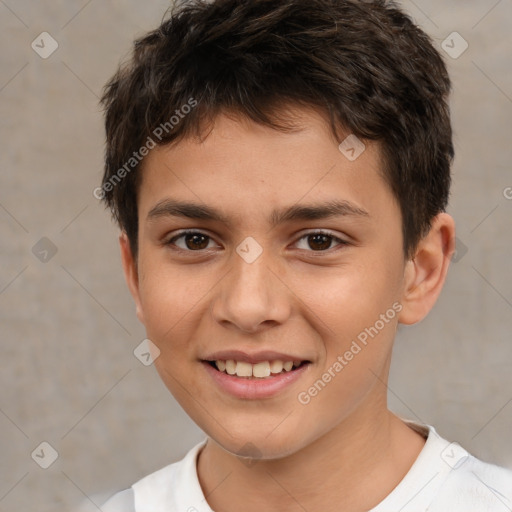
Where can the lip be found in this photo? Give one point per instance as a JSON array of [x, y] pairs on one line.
[[254, 388], [253, 358]]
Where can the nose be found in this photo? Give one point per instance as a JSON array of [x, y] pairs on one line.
[[251, 298]]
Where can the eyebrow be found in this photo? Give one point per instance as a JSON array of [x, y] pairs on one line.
[[189, 210]]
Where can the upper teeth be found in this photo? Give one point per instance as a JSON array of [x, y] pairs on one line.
[[262, 369]]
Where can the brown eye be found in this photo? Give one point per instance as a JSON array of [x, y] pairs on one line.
[[196, 241], [319, 241], [190, 241]]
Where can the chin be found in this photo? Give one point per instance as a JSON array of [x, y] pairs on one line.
[[259, 445]]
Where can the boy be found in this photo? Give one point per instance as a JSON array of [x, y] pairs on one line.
[[280, 172]]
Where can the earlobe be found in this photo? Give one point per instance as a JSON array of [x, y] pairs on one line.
[[425, 274], [131, 273]]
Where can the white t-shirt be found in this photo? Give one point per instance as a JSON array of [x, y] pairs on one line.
[[444, 478]]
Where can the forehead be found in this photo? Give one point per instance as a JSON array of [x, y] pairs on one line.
[[242, 166]]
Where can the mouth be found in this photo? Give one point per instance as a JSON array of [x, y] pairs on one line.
[[257, 380], [261, 370]]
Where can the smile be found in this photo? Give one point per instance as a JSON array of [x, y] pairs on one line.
[[259, 370], [264, 379]]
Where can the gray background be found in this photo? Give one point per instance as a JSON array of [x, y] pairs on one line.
[[68, 330]]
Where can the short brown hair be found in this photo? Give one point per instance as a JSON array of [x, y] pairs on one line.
[[364, 63]]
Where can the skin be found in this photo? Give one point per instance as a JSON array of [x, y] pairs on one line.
[[295, 298]]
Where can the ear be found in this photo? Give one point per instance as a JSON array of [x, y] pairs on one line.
[[131, 273], [425, 273]]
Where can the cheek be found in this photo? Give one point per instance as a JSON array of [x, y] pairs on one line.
[[356, 345], [170, 298], [354, 308], [343, 301]]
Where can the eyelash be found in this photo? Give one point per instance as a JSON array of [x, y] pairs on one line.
[[185, 232]]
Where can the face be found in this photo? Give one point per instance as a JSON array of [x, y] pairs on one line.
[[293, 255]]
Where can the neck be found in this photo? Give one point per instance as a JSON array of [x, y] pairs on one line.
[[357, 464]]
